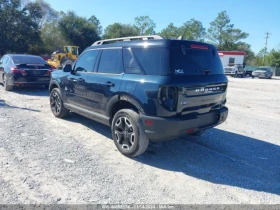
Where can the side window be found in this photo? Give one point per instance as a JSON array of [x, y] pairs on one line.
[[87, 61], [5, 60], [231, 60], [153, 60], [110, 61], [130, 64]]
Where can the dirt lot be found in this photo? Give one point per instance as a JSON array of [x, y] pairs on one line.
[[48, 160]]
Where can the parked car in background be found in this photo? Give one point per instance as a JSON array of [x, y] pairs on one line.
[[263, 72], [20, 70], [146, 88], [235, 70]]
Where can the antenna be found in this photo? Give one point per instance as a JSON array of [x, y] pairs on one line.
[[181, 37]]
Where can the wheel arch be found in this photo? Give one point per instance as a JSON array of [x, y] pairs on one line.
[[54, 84], [122, 101]]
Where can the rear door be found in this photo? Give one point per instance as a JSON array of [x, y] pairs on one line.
[[76, 83], [106, 81], [199, 77]]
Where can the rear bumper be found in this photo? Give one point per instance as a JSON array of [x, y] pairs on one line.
[[32, 83], [15, 80], [163, 129]]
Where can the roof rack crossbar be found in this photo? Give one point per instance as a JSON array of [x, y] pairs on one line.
[[131, 38]]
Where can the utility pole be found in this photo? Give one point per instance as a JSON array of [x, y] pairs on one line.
[[265, 47]]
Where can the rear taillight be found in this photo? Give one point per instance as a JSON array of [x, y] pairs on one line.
[[197, 46], [49, 71], [168, 97], [17, 70]]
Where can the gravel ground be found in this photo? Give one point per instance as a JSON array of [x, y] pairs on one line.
[[48, 160]]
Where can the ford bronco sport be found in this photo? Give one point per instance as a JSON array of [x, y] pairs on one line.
[[146, 88]]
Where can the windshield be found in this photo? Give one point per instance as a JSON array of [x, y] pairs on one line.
[[261, 69], [75, 51]]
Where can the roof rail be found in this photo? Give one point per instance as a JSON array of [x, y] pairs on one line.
[[131, 38]]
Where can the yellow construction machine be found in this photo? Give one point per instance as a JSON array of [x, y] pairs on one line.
[[60, 58]]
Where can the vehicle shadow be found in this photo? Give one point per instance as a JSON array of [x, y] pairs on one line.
[[31, 91], [218, 156], [4, 105], [90, 124]]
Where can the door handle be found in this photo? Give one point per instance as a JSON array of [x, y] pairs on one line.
[[80, 80], [77, 80], [110, 84]]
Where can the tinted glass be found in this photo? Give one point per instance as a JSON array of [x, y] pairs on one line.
[[195, 61], [262, 69], [5, 60], [87, 61], [154, 61], [75, 51], [19, 59], [130, 64], [110, 61]]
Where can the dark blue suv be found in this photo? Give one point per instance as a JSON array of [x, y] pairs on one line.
[[145, 88]]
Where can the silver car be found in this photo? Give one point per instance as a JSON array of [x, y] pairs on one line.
[[263, 72]]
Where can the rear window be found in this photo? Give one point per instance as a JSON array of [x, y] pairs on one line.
[[28, 60], [195, 61], [154, 61], [262, 69]]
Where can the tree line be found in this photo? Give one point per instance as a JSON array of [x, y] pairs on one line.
[[36, 28]]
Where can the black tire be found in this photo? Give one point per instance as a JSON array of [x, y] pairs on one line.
[[128, 133], [5, 81], [65, 61], [56, 104], [253, 77]]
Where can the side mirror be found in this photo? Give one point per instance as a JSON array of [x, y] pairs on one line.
[[67, 68]]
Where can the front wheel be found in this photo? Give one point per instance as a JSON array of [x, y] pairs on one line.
[[57, 105], [128, 133]]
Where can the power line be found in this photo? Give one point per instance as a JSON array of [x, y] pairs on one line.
[[265, 47]]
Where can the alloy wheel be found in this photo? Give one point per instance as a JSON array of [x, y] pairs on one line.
[[55, 103], [124, 133]]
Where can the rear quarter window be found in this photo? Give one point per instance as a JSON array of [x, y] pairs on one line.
[[154, 61]]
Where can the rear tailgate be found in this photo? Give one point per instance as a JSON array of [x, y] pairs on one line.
[[35, 70], [199, 78]]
